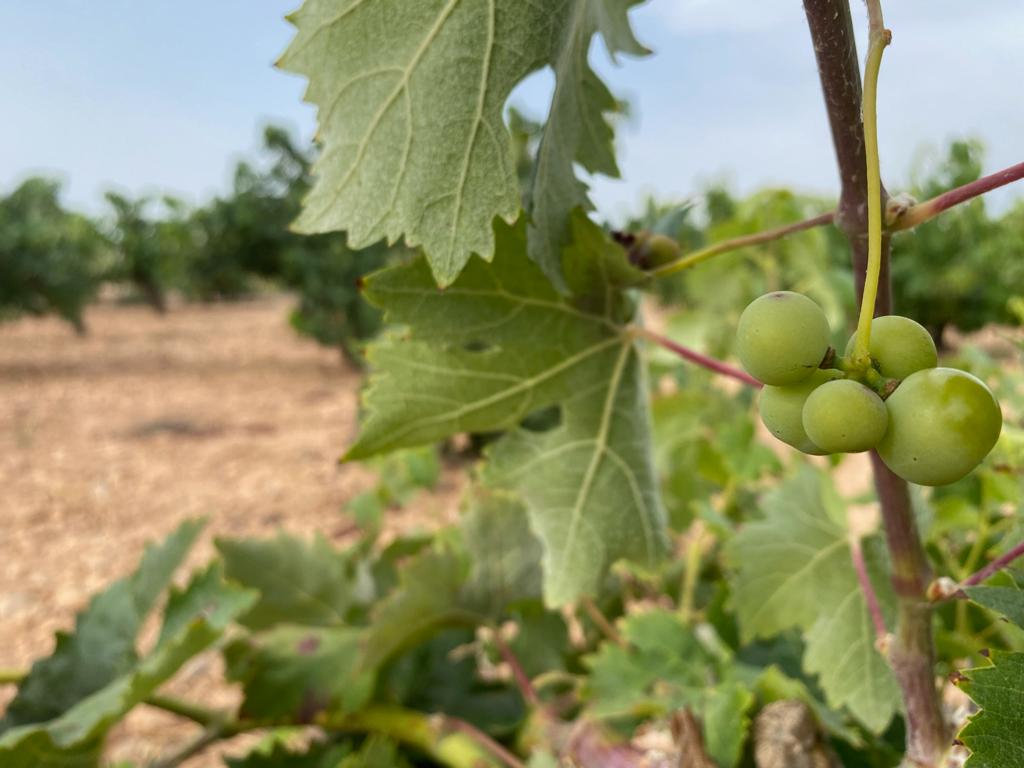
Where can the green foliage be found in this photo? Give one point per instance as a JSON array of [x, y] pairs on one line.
[[50, 260], [794, 569], [993, 735]]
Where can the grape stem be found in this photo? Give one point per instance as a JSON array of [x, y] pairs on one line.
[[696, 257], [693, 356], [879, 38], [996, 565], [870, 597]]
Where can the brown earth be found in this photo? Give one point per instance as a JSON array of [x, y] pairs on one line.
[[111, 440]]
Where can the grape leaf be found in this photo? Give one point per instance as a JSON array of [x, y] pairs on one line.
[[794, 570], [428, 597], [499, 344], [199, 615], [413, 136], [300, 583], [1008, 601], [297, 672], [102, 647], [993, 735], [576, 129], [504, 552], [663, 668]]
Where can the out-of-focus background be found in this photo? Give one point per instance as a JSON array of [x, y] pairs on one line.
[[168, 348]]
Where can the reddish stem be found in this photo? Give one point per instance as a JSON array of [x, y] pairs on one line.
[[702, 360], [455, 724], [874, 607], [518, 673], [921, 212], [998, 564]]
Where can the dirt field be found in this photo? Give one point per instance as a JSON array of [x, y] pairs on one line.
[[111, 440]]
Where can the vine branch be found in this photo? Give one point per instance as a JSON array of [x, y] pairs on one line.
[[696, 357], [996, 565], [703, 254], [912, 649], [929, 209]]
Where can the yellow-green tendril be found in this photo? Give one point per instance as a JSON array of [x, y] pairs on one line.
[[879, 38]]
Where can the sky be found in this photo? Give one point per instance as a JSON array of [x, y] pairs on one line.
[[164, 96]]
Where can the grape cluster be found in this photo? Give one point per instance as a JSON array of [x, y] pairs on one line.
[[930, 425]]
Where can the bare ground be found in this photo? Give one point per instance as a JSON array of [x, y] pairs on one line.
[[111, 440]]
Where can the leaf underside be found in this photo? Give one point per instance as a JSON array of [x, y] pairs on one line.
[[502, 343]]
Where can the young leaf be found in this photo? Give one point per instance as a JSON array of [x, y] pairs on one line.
[[199, 615], [103, 643], [414, 141], [665, 668], [994, 734], [299, 582], [794, 570], [297, 672]]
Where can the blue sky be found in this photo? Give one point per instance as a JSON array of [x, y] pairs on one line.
[[164, 95]]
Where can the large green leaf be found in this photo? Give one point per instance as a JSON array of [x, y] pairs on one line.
[[499, 344], [794, 570], [102, 647], [299, 582], [994, 734], [195, 619], [409, 99]]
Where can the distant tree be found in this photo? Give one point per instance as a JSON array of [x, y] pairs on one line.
[[51, 260]]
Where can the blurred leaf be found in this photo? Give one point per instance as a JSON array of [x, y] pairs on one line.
[[102, 646], [199, 615], [1007, 601], [317, 755], [299, 582], [298, 672]]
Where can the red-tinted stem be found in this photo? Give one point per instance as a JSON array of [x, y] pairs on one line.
[[998, 564], [874, 607], [518, 673], [696, 357], [921, 212]]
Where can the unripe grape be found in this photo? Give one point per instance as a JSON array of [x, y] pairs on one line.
[[844, 417], [899, 345], [782, 337], [942, 423], [658, 251], [782, 409]]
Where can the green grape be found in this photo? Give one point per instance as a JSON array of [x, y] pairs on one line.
[[782, 337], [845, 417], [782, 409], [942, 423], [659, 250], [899, 345]]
